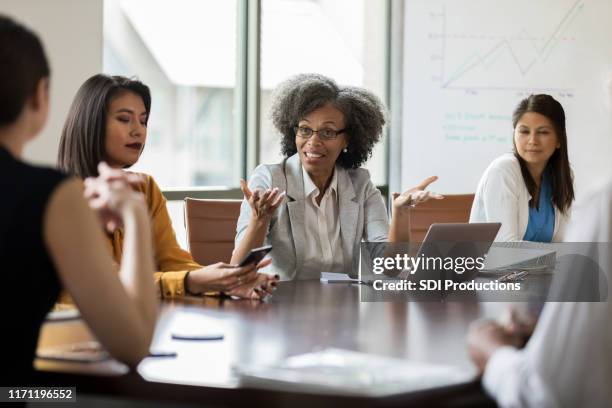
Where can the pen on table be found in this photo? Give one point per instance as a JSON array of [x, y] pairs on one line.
[[197, 337], [512, 276], [521, 274], [342, 281], [162, 354]]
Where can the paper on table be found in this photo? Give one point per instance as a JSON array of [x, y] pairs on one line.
[[333, 277], [340, 371], [63, 314], [500, 259], [85, 352]]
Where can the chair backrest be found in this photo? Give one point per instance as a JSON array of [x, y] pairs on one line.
[[211, 228], [454, 208]]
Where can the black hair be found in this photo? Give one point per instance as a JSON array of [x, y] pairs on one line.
[[558, 166], [82, 144], [23, 64]]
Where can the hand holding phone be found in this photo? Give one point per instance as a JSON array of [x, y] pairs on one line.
[[255, 255]]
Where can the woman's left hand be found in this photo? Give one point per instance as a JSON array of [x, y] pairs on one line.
[[416, 195]]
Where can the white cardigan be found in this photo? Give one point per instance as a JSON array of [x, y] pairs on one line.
[[502, 196]]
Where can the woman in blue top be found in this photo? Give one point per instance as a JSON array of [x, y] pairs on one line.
[[531, 190]]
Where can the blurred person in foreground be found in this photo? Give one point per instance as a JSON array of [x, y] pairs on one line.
[[48, 231], [567, 361]]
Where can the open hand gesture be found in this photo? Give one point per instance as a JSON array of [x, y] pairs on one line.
[[416, 195], [263, 204]]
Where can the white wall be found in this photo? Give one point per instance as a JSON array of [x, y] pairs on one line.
[[71, 31], [467, 64]]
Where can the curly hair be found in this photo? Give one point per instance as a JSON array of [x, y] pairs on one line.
[[364, 114]]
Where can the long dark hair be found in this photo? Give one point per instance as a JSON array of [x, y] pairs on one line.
[[84, 133], [23, 64], [558, 166]]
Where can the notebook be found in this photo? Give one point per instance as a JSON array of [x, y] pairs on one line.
[[333, 277], [84, 352], [337, 371], [504, 258]]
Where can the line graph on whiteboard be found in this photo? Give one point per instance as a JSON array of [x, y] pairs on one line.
[[517, 52]]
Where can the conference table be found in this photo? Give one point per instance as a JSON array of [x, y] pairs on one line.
[[300, 317]]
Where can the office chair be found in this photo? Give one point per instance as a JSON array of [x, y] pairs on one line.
[[454, 208], [211, 228]]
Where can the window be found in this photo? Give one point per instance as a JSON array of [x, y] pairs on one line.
[[185, 51], [328, 37], [197, 57]]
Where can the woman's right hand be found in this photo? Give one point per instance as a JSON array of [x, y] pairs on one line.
[[263, 204], [222, 277], [111, 193]]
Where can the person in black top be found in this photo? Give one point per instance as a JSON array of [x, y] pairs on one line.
[[48, 229]]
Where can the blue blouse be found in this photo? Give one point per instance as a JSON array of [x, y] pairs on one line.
[[541, 224]]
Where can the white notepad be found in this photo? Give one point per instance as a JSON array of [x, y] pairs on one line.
[[84, 352], [327, 277], [337, 371], [503, 258]]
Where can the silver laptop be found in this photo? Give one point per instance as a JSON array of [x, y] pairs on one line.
[[455, 240]]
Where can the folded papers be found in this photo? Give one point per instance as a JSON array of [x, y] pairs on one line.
[[337, 371]]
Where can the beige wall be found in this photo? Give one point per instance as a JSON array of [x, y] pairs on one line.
[[71, 31]]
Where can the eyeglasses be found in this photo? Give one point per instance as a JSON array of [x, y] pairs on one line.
[[324, 134]]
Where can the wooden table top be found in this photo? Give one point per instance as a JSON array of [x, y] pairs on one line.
[[301, 317]]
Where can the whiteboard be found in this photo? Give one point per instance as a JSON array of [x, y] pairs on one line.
[[467, 64]]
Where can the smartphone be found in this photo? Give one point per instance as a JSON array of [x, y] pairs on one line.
[[255, 255]]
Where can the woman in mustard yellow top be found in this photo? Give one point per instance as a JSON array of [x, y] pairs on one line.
[[108, 122]]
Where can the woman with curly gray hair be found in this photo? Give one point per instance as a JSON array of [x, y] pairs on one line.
[[327, 133]]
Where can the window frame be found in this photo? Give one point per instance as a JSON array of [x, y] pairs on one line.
[[247, 98]]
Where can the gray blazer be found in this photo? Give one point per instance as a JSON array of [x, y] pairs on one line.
[[362, 213]]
